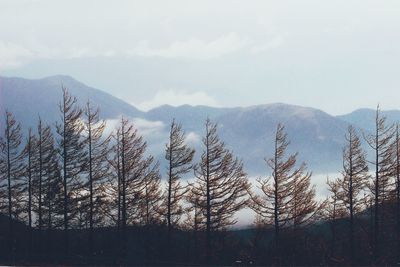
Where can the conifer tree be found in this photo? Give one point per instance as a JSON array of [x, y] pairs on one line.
[[134, 167], [193, 211], [354, 181], [11, 171], [114, 194], [72, 157], [149, 208], [193, 221], [381, 144], [287, 198], [30, 150], [305, 208], [52, 194], [221, 184], [334, 210], [397, 182], [47, 178], [97, 168], [179, 157]]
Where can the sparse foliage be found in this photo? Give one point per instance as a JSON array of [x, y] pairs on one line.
[[221, 184]]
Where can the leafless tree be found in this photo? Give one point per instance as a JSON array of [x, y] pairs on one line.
[[221, 184], [151, 196], [72, 157], [97, 147], [354, 180], [134, 169], [397, 182], [287, 198], [380, 142], [334, 210], [12, 169], [179, 157], [29, 152]]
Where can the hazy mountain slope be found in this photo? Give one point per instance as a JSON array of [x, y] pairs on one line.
[[249, 131], [316, 135], [28, 99], [365, 118], [192, 117]]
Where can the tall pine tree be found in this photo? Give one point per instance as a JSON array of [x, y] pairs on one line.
[[179, 157], [97, 168], [12, 170], [72, 158], [354, 181], [287, 198], [221, 185], [380, 142]]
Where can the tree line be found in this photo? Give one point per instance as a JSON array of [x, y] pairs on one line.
[[84, 196]]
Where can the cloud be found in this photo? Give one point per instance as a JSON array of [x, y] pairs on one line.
[[13, 55], [177, 98], [192, 138], [147, 127], [275, 42], [194, 48], [111, 125], [16, 53]]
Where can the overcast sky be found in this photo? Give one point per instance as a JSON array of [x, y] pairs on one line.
[[332, 55]]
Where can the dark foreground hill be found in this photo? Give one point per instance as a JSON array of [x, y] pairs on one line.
[[324, 243]]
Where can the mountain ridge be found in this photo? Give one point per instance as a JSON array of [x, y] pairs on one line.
[[248, 131]]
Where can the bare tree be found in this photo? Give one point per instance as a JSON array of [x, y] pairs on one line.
[[72, 157], [133, 171], [114, 187], [29, 151], [221, 184], [47, 171], [287, 198], [97, 168], [334, 210], [380, 142], [151, 197], [12, 168], [193, 212], [52, 193], [304, 206], [354, 181], [179, 157], [397, 182], [193, 220]]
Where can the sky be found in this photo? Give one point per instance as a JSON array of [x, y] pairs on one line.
[[333, 55]]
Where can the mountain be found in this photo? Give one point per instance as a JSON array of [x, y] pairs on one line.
[[27, 99], [316, 135], [365, 118], [192, 117], [248, 131]]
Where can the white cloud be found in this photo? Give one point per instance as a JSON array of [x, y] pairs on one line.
[[192, 138], [111, 125], [194, 48], [147, 127], [277, 41], [13, 55], [177, 98]]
